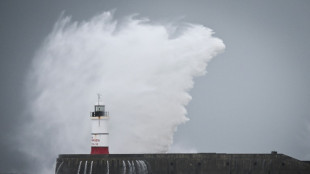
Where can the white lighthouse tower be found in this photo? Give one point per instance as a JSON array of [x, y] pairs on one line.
[[99, 129]]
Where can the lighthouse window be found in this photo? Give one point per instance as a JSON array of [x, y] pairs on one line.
[[99, 108]]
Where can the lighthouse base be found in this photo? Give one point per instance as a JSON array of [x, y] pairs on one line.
[[99, 150]]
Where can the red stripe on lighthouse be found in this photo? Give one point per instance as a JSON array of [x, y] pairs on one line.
[[99, 150]]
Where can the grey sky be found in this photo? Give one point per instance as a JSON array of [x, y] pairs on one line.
[[254, 99]]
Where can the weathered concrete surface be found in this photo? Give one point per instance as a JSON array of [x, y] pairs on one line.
[[199, 163]]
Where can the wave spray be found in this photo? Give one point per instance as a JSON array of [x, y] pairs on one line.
[[144, 72]]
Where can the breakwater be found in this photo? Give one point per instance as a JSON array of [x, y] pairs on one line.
[[200, 163]]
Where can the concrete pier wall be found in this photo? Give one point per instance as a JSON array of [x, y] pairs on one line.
[[199, 163]]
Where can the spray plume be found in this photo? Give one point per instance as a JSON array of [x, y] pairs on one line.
[[144, 72]]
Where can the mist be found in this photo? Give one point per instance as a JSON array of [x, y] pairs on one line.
[[143, 70]]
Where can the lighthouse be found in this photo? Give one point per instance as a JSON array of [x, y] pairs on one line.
[[99, 129]]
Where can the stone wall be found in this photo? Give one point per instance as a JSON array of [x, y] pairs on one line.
[[199, 163]]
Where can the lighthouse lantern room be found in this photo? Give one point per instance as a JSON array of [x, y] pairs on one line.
[[99, 129]]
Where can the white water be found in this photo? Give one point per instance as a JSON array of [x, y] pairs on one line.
[[59, 167], [143, 166], [124, 167], [85, 167], [138, 167], [108, 168], [144, 72], [91, 167], [130, 167], [78, 172], [133, 167]]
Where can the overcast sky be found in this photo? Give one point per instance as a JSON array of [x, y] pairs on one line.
[[254, 99]]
